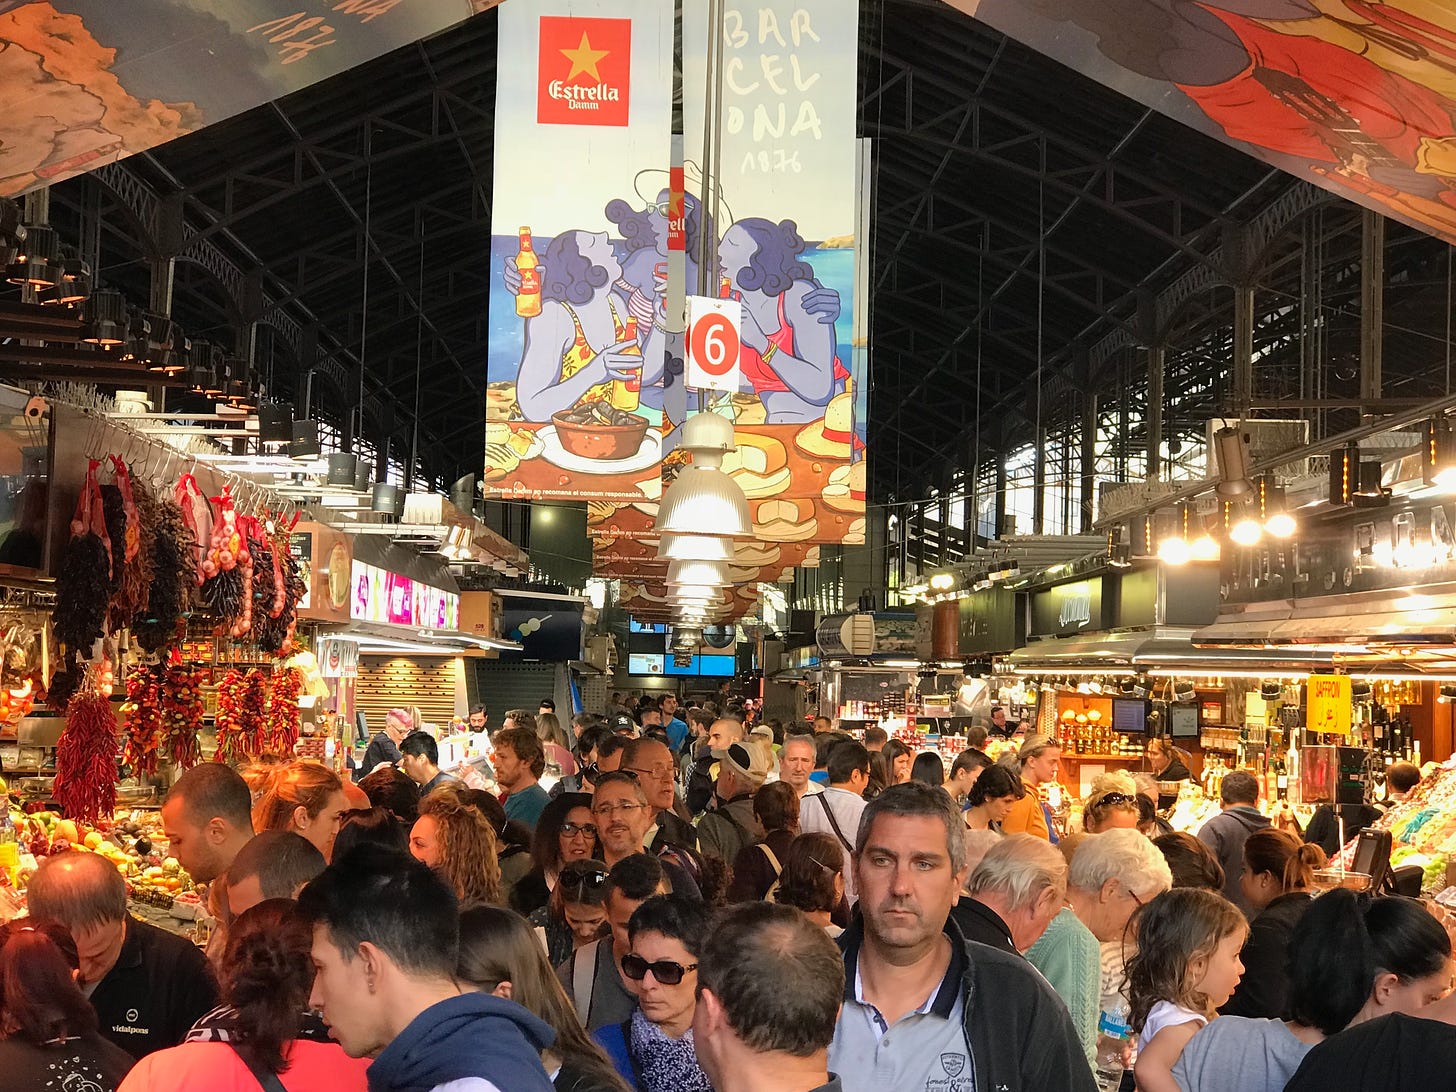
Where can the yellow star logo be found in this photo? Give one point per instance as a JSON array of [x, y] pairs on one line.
[[584, 59]]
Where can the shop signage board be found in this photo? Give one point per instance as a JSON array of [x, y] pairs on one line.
[[88, 82], [1066, 609], [378, 595], [1328, 704], [786, 216], [987, 622], [578, 262], [1353, 97]]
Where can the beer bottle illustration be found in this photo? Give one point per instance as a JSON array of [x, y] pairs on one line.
[[528, 300], [626, 394]]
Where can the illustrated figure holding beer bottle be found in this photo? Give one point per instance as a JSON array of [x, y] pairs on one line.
[[586, 345]]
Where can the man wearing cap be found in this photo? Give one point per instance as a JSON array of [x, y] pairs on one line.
[[732, 826], [624, 725]]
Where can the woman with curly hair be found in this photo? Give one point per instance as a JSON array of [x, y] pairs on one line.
[[580, 342], [565, 832], [305, 798], [457, 841], [789, 354], [264, 1032]]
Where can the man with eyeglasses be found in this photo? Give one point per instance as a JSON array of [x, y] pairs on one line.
[[652, 762], [592, 976], [623, 817]]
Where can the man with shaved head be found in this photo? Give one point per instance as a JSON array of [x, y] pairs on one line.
[[703, 778], [147, 985]]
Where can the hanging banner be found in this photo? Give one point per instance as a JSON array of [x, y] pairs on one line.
[[1354, 96], [580, 225], [88, 82], [786, 211]]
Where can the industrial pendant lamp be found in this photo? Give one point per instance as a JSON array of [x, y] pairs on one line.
[[1233, 463], [342, 467], [704, 501], [1274, 505], [304, 446], [712, 573], [275, 424], [711, 547]]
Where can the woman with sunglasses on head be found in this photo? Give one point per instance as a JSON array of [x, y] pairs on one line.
[[499, 954], [653, 1051], [1111, 805], [576, 913], [565, 832]]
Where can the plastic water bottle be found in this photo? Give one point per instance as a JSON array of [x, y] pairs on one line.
[[1113, 1036]]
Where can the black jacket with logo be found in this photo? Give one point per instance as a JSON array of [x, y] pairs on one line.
[[160, 986]]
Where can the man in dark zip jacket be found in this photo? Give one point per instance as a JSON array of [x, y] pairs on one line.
[[923, 1007]]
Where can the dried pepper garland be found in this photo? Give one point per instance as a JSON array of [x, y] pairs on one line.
[[83, 583], [241, 715], [182, 711], [170, 591], [145, 727], [138, 543], [86, 771], [284, 719]]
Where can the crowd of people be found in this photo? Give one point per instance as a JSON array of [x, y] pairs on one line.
[[700, 904]]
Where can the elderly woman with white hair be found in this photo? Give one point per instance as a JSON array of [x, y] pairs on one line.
[[1111, 876]]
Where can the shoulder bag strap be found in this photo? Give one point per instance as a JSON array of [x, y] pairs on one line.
[[833, 822], [583, 977], [773, 862], [268, 1081]]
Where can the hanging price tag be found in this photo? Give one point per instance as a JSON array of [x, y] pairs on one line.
[[713, 345]]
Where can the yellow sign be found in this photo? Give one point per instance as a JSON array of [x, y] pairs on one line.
[[1329, 704]]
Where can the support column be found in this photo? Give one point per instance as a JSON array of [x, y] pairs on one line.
[[1088, 468], [1372, 304], [1243, 386], [1038, 483], [1156, 367], [1000, 497]]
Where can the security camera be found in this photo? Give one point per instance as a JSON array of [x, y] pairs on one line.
[[37, 407]]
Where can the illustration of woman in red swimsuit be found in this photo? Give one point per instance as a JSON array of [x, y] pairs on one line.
[[788, 356]]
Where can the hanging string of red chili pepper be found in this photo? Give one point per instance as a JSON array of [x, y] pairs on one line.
[[284, 717], [182, 712], [145, 727], [85, 786]]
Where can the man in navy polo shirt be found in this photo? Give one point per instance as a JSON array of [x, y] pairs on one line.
[[147, 985]]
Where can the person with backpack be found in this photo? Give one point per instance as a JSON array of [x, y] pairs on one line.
[[732, 825], [838, 808], [757, 866]]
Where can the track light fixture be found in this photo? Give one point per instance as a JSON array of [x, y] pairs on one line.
[[1232, 455]]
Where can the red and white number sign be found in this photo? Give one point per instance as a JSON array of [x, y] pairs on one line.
[[713, 344]]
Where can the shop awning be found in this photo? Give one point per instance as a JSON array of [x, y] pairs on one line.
[[375, 638], [1355, 624], [1161, 647]]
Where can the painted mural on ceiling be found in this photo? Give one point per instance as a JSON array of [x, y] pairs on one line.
[[1357, 96], [87, 82]]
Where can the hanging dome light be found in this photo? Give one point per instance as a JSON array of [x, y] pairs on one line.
[[707, 437], [701, 593], [714, 573], [704, 501], [695, 548]]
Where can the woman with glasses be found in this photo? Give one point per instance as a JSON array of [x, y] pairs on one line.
[[576, 913], [653, 1051], [500, 955], [565, 832], [1110, 876]]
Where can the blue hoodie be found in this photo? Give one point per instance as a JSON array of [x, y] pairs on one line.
[[473, 1035]]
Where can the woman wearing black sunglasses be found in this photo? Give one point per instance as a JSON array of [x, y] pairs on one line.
[[653, 1051], [565, 832]]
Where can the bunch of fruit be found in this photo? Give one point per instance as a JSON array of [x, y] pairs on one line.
[[153, 878]]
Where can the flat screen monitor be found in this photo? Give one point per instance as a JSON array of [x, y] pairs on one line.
[[714, 666], [634, 626], [1129, 715], [645, 664], [1183, 721]]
